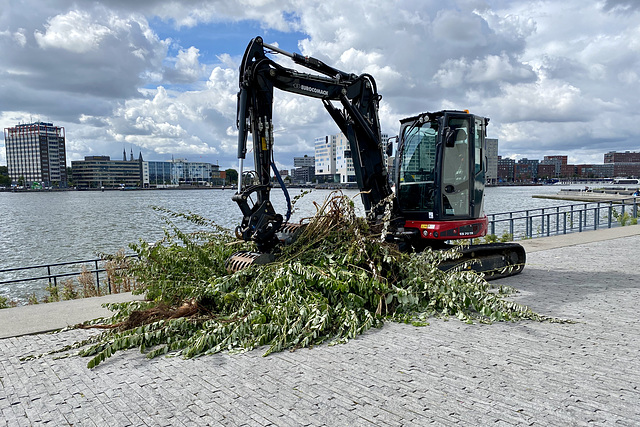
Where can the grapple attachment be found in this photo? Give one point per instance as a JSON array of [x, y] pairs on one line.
[[243, 259]]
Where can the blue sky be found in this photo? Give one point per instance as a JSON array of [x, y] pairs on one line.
[[212, 39], [161, 76]]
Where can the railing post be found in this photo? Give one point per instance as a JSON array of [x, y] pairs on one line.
[[49, 274], [564, 223], [610, 215], [571, 220], [580, 221], [97, 277], [511, 229]]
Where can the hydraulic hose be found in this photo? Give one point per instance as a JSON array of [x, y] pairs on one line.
[[284, 190]]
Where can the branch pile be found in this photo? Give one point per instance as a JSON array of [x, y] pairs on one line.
[[336, 281]]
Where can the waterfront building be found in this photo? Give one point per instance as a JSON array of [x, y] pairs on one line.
[[491, 154], [622, 157], [557, 162], [391, 168], [333, 160], [344, 162], [102, 172], [181, 172], [325, 158], [625, 164], [595, 171], [303, 174], [304, 169], [506, 169], [195, 173], [526, 170], [562, 160], [546, 171], [159, 174], [36, 154], [306, 161], [626, 169], [568, 171]]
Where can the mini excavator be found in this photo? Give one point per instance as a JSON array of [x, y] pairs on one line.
[[438, 184]]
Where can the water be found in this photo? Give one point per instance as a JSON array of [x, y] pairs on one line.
[[45, 228]]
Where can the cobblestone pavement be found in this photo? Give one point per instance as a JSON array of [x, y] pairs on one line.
[[447, 373]]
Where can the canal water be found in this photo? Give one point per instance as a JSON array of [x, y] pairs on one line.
[[49, 227]]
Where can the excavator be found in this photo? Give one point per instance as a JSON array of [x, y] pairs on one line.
[[436, 193]]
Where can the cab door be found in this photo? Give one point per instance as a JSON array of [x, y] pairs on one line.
[[456, 185]]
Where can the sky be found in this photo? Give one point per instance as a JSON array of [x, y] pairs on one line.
[[160, 77]]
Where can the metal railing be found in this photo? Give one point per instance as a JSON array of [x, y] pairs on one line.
[[51, 277], [542, 222]]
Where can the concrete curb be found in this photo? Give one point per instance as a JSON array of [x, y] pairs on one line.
[[40, 318]]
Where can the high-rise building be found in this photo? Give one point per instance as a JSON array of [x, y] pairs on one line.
[[36, 154], [344, 162], [333, 159], [491, 175], [325, 158]]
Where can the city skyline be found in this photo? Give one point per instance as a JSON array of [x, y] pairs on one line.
[[343, 168]]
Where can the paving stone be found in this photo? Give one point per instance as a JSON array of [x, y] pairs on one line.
[[447, 373]]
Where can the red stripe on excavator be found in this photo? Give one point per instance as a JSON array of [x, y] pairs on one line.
[[450, 230]]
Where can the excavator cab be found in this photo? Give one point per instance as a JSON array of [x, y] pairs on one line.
[[440, 175]]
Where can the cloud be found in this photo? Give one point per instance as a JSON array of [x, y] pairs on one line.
[[162, 75], [74, 31]]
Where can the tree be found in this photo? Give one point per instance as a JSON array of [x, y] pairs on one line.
[[5, 181], [70, 182], [232, 176]]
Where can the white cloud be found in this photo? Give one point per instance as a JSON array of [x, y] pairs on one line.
[[187, 67], [549, 74], [74, 31]]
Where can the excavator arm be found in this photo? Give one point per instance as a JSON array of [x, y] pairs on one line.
[[358, 120]]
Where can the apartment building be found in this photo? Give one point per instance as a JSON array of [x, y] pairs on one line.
[[36, 154]]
